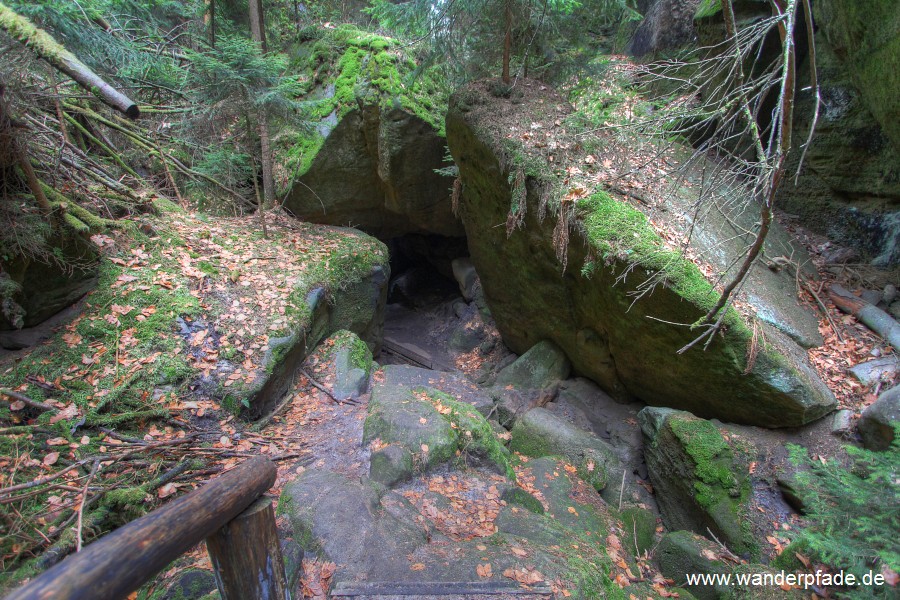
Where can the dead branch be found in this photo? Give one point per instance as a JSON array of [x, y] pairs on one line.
[[43, 44], [870, 315], [26, 400]]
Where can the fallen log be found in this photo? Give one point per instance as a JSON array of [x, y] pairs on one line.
[[870, 315], [43, 44]]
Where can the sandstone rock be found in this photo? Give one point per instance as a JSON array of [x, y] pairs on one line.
[[541, 366], [540, 433], [698, 481], [590, 312], [668, 24], [876, 425], [391, 465]]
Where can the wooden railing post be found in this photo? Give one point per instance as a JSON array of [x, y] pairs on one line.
[[246, 556]]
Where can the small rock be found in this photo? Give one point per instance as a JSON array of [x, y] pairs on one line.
[[881, 369], [889, 294], [466, 277], [876, 425], [842, 423], [871, 296]]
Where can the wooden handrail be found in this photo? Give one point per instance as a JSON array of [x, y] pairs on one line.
[[119, 563]]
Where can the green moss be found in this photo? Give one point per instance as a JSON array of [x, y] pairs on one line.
[[712, 458], [475, 434], [366, 68]]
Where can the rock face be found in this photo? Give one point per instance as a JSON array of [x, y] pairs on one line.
[[33, 291], [849, 187], [698, 481], [375, 170], [667, 24], [590, 311]]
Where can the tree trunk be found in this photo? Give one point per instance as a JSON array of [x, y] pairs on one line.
[[43, 44], [210, 19], [507, 41], [258, 31]]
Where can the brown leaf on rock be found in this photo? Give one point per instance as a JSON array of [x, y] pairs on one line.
[[484, 571]]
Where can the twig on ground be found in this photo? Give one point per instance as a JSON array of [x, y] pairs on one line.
[[84, 492], [26, 400]]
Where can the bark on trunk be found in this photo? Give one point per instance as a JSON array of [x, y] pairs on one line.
[[43, 44]]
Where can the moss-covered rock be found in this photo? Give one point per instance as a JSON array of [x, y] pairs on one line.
[[541, 366], [641, 522], [597, 312], [372, 158], [541, 433], [348, 291], [698, 481], [682, 553], [391, 465]]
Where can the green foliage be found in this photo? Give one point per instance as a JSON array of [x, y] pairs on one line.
[[853, 513]]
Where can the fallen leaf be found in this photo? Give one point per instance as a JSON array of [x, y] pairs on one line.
[[58, 441], [166, 490], [17, 405], [51, 458], [518, 551], [484, 570], [425, 448], [68, 412], [707, 553], [417, 567]]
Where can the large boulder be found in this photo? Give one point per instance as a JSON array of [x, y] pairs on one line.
[[698, 480], [350, 294], [371, 161], [613, 330]]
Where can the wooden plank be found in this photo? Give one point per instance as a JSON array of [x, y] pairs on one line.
[[246, 556], [435, 588], [119, 563], [409, 352]]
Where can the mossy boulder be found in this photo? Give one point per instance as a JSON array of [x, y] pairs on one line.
[[641, 522], [541, 366], [434, 428], [698, 480], [391, 465], [597, 310], [347, 292], [372, 159], [541, 433]]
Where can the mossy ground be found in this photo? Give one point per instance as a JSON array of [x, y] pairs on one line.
[[178, 326]]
